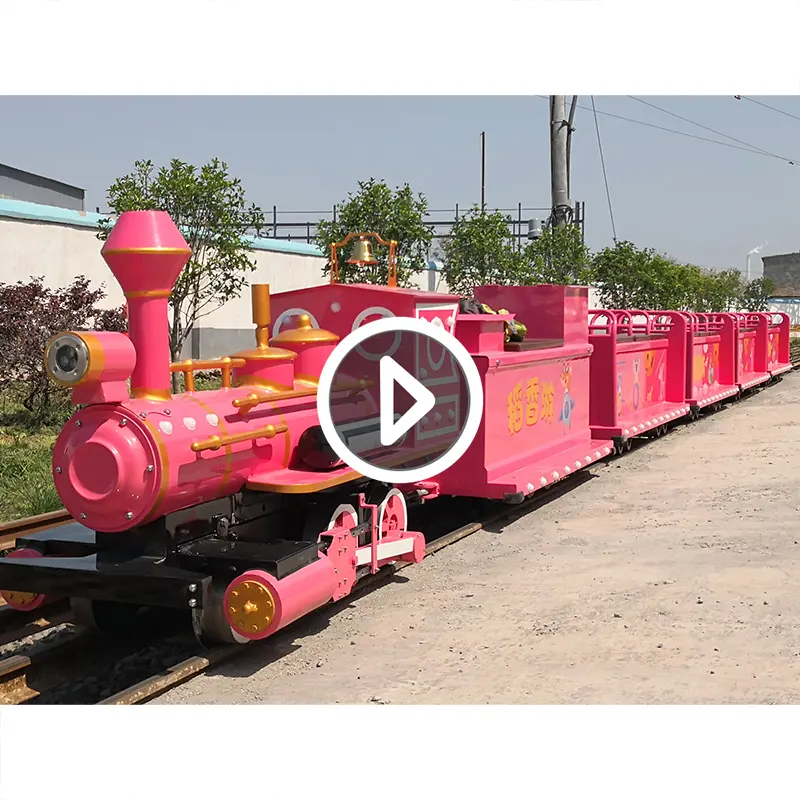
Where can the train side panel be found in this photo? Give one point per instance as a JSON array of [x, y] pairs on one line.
[[535, 427], [752, 343], [711, 369], [778, 358]]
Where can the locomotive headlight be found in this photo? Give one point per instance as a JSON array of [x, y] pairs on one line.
[[86, 359], [67, 359]]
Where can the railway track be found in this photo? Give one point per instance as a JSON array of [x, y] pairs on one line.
[[66, 669], [18, 527], [196, 665]]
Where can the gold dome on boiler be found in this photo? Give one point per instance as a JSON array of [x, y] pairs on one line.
[[303, 333]]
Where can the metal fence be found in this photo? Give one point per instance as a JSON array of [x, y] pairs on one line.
[[523, 220]]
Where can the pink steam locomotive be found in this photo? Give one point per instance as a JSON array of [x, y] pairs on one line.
[[232, 503]]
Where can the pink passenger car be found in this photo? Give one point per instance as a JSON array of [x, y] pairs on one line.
[[638, 372]]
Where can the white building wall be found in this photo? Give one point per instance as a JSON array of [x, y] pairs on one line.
[[57, 253], [59, 245]]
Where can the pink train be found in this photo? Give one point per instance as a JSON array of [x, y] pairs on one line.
[[231, 503]]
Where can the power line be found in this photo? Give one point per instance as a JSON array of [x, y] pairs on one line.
[[771, 108], [791, 162], [605, 175], [704, 127]]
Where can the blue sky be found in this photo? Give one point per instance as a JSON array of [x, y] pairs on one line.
[[699, 202]]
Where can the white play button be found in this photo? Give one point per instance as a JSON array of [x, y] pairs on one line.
[[391, 373], [416, 416]]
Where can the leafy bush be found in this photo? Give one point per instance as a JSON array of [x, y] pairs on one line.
[[480, 252], [558, 256], [631, 277], [30, 314]]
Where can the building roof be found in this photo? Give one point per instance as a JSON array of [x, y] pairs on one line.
[[24, 175]]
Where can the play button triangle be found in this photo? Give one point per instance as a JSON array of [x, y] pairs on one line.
[[390, 373]]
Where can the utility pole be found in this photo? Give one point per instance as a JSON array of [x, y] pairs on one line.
[[483, 171], [559, 169]]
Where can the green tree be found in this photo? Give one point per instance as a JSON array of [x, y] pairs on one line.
[[717, 291], [210, 209], [665, 283], [558, 256], [756, 294], [394, 215], [621, 274], [479, 252]]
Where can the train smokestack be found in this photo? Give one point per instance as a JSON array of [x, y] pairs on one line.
[[146, 252]]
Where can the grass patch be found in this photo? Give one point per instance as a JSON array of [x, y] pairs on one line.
[[26, 480]]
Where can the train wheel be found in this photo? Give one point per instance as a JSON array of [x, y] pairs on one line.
[[105, 616], [23, 601], [393, 512], [322, 518], [626, 448], [209, 624]]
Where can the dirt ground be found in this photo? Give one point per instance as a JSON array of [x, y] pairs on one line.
[[668, 576]]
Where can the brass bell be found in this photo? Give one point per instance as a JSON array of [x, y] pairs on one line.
[[362, 253]]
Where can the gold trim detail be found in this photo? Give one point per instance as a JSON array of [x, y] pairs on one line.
[[156, 395], [163, 454], [215, 442], [150, 293], [189, 367], [97, 358], [147, 251], [304, 488], [245, 404]]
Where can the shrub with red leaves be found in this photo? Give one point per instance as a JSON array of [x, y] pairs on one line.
[[30, 314]]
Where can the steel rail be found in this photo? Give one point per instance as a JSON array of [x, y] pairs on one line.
[[9, 531]]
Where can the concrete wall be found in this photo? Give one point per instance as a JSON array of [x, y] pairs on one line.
[[784, 272]]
